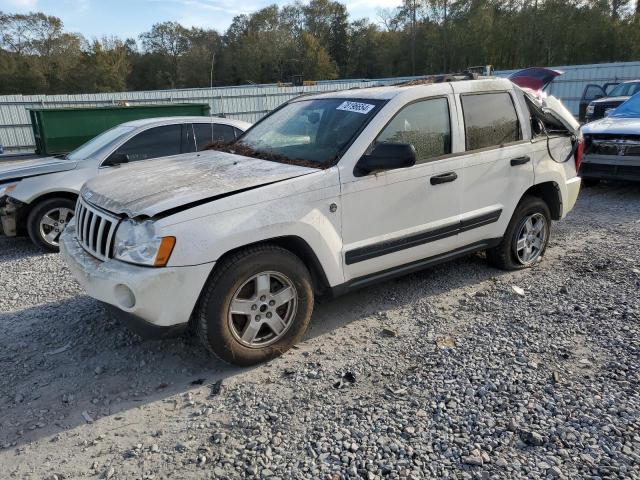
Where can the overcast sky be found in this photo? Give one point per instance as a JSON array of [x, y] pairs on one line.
[[129, 18]]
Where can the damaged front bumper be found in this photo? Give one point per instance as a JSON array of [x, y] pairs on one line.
[[9, 214], [154, 302]]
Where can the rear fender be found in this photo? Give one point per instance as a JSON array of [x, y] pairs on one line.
[[561, 174]]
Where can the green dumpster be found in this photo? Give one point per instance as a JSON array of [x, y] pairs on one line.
[[61, 130]]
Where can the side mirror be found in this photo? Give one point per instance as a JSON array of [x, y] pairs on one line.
[[116, 159], [387, 156], [597, 96]]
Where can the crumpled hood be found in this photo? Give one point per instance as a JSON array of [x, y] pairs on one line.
[[151, 187], [613, 125], [17, 169]]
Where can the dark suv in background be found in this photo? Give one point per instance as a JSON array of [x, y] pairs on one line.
[[596, 102]]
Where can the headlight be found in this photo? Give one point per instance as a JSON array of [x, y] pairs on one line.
[[7, 188], [590, 109], [137, 242]]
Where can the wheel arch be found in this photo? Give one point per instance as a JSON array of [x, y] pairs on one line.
[[26, 210], [299, 247], [550, 193], [296, 245]]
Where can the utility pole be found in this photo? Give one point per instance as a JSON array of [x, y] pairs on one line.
[[445, 54], [413, 36], [213, 60]]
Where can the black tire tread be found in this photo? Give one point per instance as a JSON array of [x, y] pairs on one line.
[[500, 256], [201, 324], [36, 210]]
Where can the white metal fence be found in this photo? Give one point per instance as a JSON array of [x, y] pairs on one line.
[[250, 103]]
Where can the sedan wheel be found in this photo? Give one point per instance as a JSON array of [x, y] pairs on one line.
[[53, 223], [48, 219]]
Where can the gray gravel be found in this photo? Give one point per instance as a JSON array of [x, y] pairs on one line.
[[449, 373]]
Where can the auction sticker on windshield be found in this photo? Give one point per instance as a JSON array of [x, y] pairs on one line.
[[357, 107]]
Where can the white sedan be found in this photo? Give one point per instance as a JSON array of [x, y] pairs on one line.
[[38, 196]]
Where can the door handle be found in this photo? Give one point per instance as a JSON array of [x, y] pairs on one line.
[[520, 160], [444, 178]]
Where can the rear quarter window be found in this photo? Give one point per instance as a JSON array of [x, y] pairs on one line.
[[490, 120]]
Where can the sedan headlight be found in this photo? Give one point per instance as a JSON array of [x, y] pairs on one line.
[[7, 188], [590, 109], [137, 242]]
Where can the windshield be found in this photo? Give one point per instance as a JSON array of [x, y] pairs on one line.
[[625, 89], [92, 146], [311, 131]]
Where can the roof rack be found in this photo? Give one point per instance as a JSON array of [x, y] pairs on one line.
[[470, 73]]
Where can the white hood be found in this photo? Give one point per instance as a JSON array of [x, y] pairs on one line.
[[151, 187]]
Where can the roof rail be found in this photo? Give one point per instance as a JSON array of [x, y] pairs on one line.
[[470, 73]]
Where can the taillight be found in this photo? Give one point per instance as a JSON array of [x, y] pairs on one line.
[[578, 155]]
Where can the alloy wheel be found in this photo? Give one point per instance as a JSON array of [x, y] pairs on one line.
[[262, 309], [53, 223], [531, 238]]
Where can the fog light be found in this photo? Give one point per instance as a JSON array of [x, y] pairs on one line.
[[125, 296]]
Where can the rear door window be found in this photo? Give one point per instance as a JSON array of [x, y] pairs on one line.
[[208, 133], [155, 142], [425, 125], [490, 120]]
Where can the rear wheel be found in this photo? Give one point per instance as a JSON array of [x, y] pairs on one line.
[[526, 237], [47, 220], [256, 305]]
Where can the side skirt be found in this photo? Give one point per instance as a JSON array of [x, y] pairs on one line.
[[412, 267]]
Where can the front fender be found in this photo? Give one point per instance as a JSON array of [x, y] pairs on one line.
[[306, 214], [30, 189]]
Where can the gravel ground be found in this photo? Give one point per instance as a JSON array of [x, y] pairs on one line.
[[449, 373]]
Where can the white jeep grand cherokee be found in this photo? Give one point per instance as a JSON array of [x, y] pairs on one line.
[[328, 193]]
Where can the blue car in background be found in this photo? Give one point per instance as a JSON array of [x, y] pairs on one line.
[[612, 145]]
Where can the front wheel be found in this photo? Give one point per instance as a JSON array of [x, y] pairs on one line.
[[47, 220], [526, 237], [256, 305]]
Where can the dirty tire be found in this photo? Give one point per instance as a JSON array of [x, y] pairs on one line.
[[36, 215], [504, 255], [212, 322]]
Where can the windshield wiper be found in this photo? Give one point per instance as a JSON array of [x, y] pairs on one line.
[[238, 148]]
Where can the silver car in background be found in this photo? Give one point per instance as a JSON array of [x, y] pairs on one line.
[[38, 196]]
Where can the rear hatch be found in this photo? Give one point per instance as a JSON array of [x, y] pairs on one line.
[[534, 78]]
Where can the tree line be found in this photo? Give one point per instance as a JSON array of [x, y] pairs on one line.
[[318, 40]]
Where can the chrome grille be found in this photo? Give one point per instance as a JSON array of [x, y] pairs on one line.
[[95, 230]]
